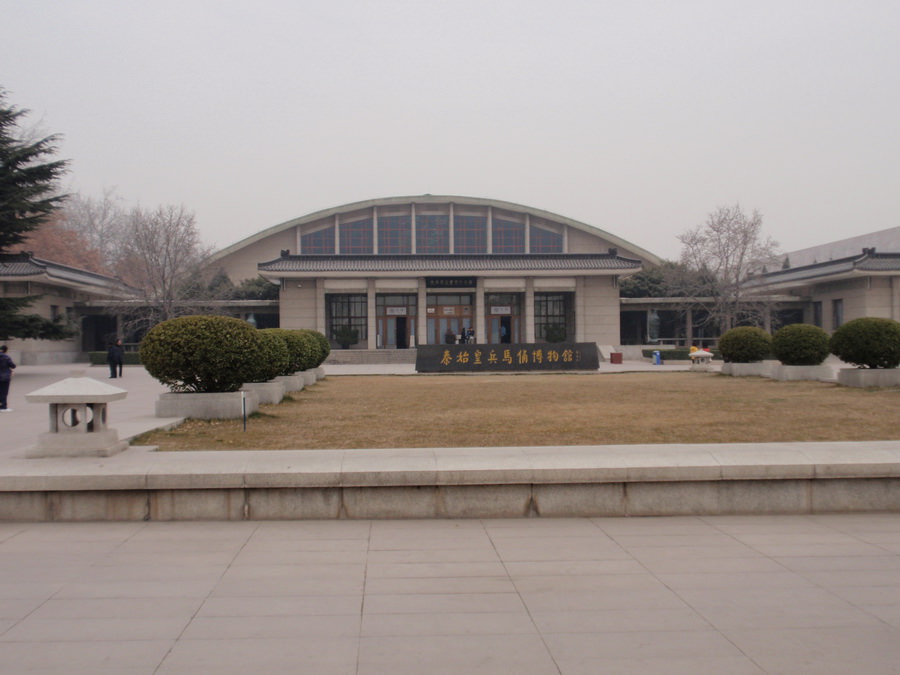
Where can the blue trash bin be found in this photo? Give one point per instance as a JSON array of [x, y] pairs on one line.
[[657, 360]]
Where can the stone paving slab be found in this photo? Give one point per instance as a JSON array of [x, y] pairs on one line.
[[735, 594]]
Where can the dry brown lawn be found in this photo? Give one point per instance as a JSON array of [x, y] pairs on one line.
[[513, 410]]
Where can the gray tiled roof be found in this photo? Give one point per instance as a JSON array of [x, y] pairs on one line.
[[14, 266], [442, 264], [867, 262], [25, 265], [880, 262]]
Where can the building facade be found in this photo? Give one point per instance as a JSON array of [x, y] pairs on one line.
[[399, 272], [60, 293]]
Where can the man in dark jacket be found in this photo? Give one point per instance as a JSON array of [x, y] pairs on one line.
[[6, 370], [115, 357]]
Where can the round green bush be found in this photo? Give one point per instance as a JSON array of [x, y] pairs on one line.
[[202, 353], [800, 344], [868, 343], [297, 346], [318, 351], [274, 357], [745, 344], [324, 344]]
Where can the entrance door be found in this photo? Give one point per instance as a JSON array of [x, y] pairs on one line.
[[503, 329], [402, 333], [393, 332]]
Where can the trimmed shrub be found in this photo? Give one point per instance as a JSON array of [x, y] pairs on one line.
[[297, 346], [868, 343], [745, 344], [320, 348], [312, 352], [202, 354], [324, 346], [274, 357], [800, 344]]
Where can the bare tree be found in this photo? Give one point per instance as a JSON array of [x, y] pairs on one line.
[[161, 256], [723, 254], [102, 223]]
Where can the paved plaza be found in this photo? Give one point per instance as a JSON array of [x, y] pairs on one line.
[[711, 594], [725, 594]]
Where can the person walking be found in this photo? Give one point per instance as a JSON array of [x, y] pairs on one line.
[[6, 370], [115, 357]]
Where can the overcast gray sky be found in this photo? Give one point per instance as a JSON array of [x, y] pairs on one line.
[[637, 117]]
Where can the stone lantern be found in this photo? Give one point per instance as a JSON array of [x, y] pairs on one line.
[[701, 360], [78, 411]]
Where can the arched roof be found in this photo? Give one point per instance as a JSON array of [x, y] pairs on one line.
[[643, 254]]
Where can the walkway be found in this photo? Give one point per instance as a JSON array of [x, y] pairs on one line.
[[787, 594], [718, 594]]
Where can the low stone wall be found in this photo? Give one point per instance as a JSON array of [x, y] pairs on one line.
[[600, 481], [462, 501]]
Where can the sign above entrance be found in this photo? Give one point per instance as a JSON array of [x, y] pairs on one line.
[[450, 282], [507, 357]]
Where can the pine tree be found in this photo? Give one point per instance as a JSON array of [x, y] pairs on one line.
[[28, 195]]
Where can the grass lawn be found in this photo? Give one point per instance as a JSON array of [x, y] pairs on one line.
[[507, 410]]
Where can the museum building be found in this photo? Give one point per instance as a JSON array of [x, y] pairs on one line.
[[398, 272]]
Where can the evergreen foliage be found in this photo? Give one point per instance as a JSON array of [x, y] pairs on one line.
[[868, 343], [745, 344], [202, 353], [28, 195], [800, 344], [300, 349], [318, 348], [274, 358]]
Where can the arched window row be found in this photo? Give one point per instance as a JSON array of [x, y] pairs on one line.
[[462, 233]]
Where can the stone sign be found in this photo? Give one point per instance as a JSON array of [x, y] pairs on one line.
[[507, 357]]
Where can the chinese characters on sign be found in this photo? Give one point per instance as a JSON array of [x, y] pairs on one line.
[[474, 358]]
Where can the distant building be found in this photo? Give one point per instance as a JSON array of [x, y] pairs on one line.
[[404, 271], [842, 280], [62, 292]]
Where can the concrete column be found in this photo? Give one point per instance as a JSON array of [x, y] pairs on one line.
[[320, 307], [370, 316], [452, 227], [490, 230], [689, 327], [375, 230], [580, 309], [422, 314], [895, 298], [529, 310], [527, 233], [337, 234], [412, 225], [480, 326]]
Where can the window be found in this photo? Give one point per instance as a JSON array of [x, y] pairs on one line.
[[346, 312], [320, 241], [551, 317], [356, 237], [394, 235], [545, 241], [433, 234], [837, 313], [817, 314], [470, 234], [508, 237]]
